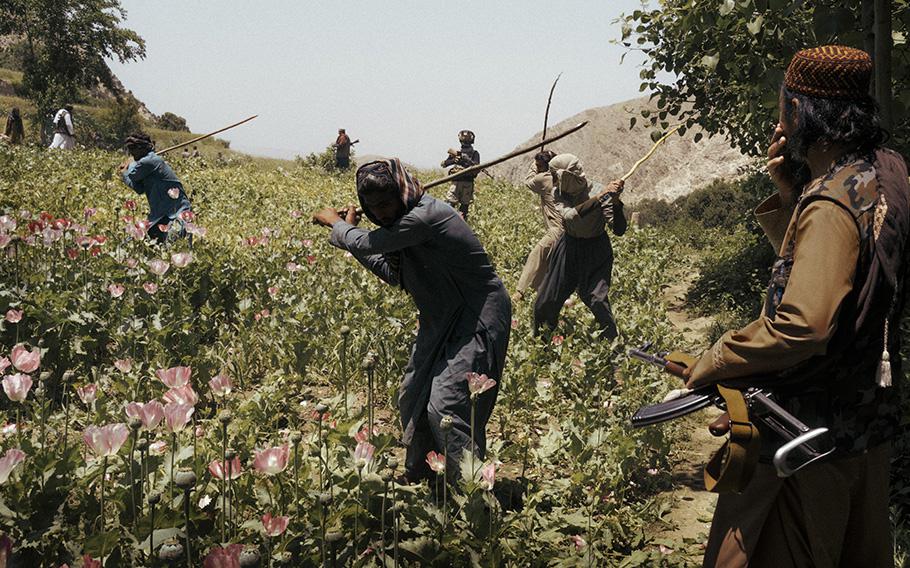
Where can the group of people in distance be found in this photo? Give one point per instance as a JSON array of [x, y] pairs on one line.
[[826, 343]]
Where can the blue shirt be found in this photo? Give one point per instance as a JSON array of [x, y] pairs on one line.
[[152, 176]]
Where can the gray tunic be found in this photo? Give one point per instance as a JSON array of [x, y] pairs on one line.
[[464, 318]]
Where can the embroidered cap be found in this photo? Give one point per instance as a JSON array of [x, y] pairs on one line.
[[830, 72]]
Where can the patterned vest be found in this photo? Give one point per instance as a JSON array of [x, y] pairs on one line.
[[840, 390]]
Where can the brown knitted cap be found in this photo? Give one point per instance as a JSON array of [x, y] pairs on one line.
[[830, 72]]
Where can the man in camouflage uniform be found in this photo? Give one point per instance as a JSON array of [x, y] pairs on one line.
[[827, 342], [461, 193]]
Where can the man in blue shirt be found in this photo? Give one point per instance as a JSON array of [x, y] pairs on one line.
[[149, 174]]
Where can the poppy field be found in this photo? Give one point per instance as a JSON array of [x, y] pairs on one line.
[[229, 401]]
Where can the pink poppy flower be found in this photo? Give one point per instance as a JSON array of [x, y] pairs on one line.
[[164, 228], [116, 290], [195, 229], [558, 339], [4, 363], [296, 213], [488, 476], [25, 360], [106, 440], [307, 243], [158, 448], [17, 386], [181, 395], [272, 461], [292, 267], [187, 215], [181, 259], [274, 526], [9, 429], [221, 385], [174, 192], [437, 462], [223, 557], [129, 204], [72, 253], [311, 259], [514, 323], [273, 291], [177, 416], [14, 316], [175, 377], [479, 384], [89, 562], [220, 469], [363, 454], [9, 461], [150, 288], [158, 267], [7, 223], [131, 263], [89, 212], [580, 543], [150, 414], [87, 393], [123, 365]]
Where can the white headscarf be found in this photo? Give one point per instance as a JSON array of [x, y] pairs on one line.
[[570, 176]]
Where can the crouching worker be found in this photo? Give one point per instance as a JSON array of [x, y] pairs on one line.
[[464, 313], [147, 173], [582, 259]]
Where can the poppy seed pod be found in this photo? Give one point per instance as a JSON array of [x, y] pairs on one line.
[[334, 537], [225, 417], [345, 331], [142, 444], [387, 477], [230, 454], [295, 437], [392, 463], [321, 408], [369, 362], [135, 423], [153, 498], [249, 557], [170, 551], [445, 424], [185, 478], [68, 375], [325, 499]]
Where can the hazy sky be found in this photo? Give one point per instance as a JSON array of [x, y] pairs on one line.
[[403, 77]]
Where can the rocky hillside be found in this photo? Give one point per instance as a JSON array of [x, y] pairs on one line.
[[607, 149]]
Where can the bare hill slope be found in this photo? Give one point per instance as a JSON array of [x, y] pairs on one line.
[[607, 149]]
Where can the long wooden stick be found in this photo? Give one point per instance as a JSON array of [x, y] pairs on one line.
[[508, 156], [650, 152], [204, 136], [546, 115], [499, 160]]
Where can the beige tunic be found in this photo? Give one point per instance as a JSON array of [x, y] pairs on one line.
[[532, 275], [824, 262]]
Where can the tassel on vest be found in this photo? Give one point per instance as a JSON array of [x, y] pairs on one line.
[[883, 374]]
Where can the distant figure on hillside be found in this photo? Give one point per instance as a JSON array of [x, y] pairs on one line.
[[582, 259], [186, 153], [540, 181], [465, 315], [342, 148], [149, 174], [15, 131], [196, 153], [461, 193], [64, 133]]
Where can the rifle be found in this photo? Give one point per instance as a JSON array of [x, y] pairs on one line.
[[806, 445]]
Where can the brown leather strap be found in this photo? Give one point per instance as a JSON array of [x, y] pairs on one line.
[[732, 466]]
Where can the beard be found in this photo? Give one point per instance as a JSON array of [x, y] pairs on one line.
[[796, 165]]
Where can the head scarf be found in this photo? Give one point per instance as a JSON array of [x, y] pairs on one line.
[[830, 72], [410, 190], [139, 140], [570, 177]]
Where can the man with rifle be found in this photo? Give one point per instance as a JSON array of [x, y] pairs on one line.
[[342, 148], [827, 343], [461, 193]]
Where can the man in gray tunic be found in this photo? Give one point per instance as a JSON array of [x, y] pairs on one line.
[[582, 259], [426, 248], [540, 182]]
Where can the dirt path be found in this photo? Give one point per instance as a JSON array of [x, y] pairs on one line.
[[691, 507]]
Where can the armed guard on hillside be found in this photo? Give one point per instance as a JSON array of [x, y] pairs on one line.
[[461, 193]]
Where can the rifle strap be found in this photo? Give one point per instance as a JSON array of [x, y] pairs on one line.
[[732, 466]]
